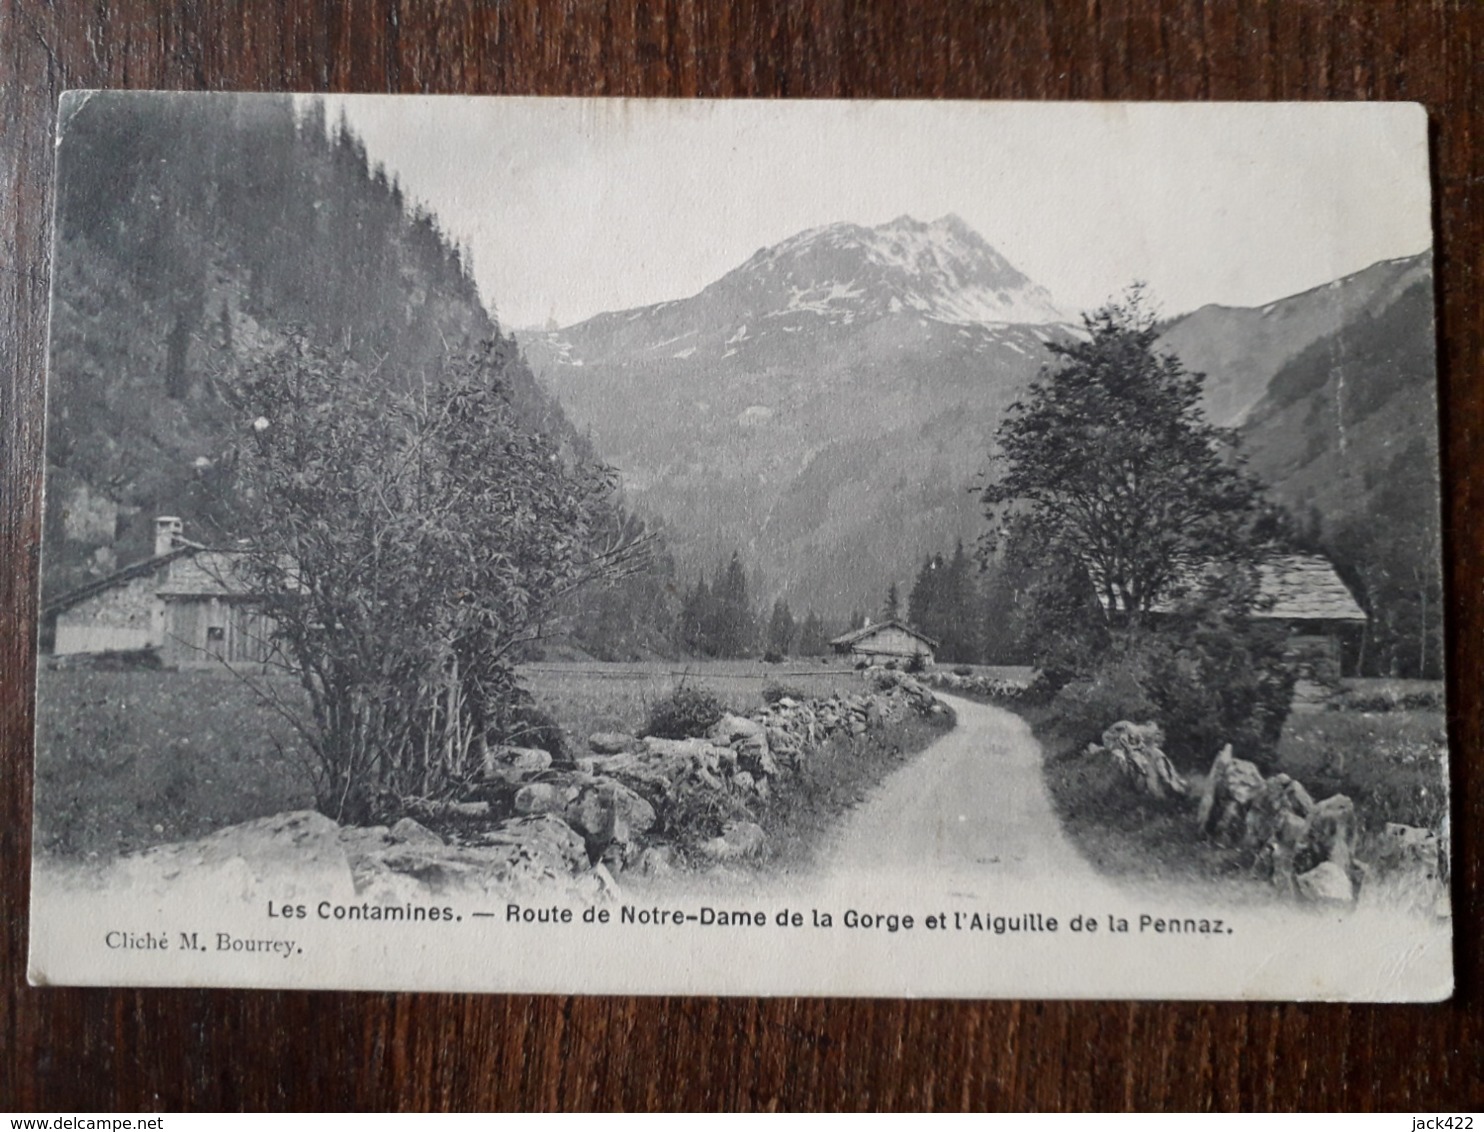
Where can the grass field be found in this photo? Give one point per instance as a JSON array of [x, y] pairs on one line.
[[586, 697], [125, 760]]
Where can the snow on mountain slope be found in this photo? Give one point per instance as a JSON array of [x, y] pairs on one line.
[[818, 283]]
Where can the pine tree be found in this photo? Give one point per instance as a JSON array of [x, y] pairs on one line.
[[731, 628], [813, 638], [780, 629], [695, 618], [891, 608]]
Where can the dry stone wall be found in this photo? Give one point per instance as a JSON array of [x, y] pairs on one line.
[[534, 824]]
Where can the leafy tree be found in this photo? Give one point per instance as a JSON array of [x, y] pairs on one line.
[[1109, 460], [1116, 499], [406, 547]]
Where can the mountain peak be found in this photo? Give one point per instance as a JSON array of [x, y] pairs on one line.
[[941, 270]]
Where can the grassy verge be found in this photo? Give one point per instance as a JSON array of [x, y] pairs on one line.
[[1393, 766], [802, 814], [1123, 834], [125, 760]]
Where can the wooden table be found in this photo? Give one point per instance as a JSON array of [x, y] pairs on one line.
[[100, 1049]]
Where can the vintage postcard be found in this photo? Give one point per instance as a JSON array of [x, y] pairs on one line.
[[828, 548]]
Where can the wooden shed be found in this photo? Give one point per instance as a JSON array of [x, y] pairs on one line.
[[886, 641]]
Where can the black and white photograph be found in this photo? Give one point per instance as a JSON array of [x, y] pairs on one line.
[[570, 545]]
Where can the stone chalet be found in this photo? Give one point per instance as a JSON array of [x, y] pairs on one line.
[[886, 641], [187, 601]]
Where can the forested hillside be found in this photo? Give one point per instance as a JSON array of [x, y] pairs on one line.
[[1347, 435], [195, 235]]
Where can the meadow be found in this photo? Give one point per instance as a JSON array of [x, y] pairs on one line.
[[125, 760], [588, 696]]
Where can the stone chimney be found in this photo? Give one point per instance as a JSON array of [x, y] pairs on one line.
[[167, 530]]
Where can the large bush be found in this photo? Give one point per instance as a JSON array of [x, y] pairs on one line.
[[1084, 709], [1206, 684], [686, 713]]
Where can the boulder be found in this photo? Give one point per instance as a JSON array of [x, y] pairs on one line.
[[611, 764], [1327, 883], [544, 839], [544, 797], [295, 855], [514, 764], [1230, 788], [607, 811], [1331, 833], [408, 832], [1135, 748], [467, 810], [1281, 797], [611, 743], [749, 739], [744, 782], [731, 729]]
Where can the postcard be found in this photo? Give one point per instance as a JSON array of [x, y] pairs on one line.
[[755, 548]]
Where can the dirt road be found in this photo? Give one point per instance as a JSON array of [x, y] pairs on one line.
[[972, 807]]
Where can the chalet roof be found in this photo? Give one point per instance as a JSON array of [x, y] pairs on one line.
[[1297, 587], [211, 577], [1305, 587], [117, 578], [850, 638]]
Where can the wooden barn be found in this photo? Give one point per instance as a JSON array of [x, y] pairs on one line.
[[1324, 621], [186, 601], [886, 641]]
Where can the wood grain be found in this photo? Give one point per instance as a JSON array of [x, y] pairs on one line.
[[64, 1049]]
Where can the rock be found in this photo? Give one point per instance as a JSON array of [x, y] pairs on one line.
[[295, 855], [611, 743], [744, 782], [513, 764], [1279, 798], [1230, 788], [611, 764], [1327, 883], [857, 727], [1136, 751], [749, 739], [543, 797], [544, 838], [738, 839], [468, 810], [607, 811], [1331, 833], [730, 729], [408, 832]]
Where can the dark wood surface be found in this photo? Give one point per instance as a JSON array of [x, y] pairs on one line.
[[64, 1049]]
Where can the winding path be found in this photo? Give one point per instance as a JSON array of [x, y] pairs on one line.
[[972, 807]]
